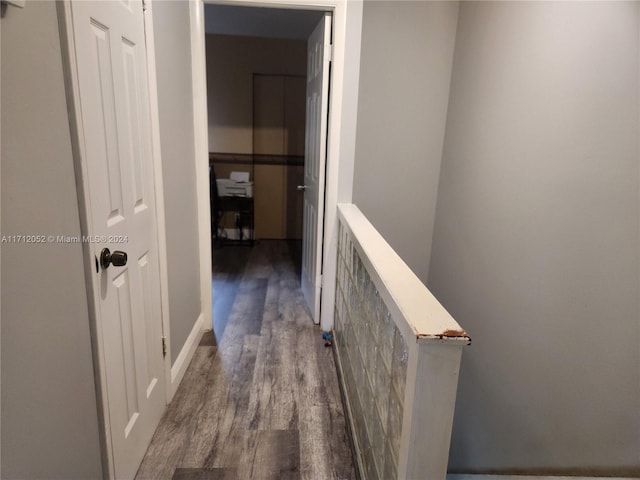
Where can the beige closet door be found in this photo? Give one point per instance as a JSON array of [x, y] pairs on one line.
[[278, 137], [268, 140]]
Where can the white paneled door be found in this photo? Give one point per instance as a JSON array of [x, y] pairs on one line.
[[109, 74], [318, 62]]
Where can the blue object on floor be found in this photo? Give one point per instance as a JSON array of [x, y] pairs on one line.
[[328, 339]]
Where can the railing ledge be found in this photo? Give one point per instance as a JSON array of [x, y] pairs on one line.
[[426, 318]]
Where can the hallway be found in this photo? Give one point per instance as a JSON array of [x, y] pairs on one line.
[[262, 401]]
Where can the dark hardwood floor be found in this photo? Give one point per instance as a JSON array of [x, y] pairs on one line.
[[260, 399]]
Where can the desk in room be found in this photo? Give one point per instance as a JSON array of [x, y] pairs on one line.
[[243, 207]]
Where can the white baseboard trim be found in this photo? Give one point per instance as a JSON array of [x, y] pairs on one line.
[[186, 354], [524, 477]]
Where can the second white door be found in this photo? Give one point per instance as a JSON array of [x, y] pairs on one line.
[[318, 62]]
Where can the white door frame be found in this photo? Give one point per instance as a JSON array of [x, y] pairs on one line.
[[343, 110], [201, 153], [174, 372], [159, 184], [0, 271]]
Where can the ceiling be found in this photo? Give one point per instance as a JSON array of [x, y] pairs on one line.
[[260, 22]]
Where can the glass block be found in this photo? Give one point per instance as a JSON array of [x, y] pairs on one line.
[[345, 360], [399, 364], [361, 326], [382, 312], [369, 349], [351, 389], [337, 314], [347, 335], [369, 406], [347, 367], [390, 465], [374, 361], [345, 312], [353, 295], [387, 335], [382, 388], [349, 255], [366, 307], [394, 424], [356, 271], [338, 335], [361, 426], [347, 269], [364, 344], [359, 375], [360, 277], [345, 332], [377, 443], [354, 400], [376, 323], [344, 279], [353, 302], [354, 256], [369, 298], [345, 272], [369, 464], [362, 274], [345, 240], [355, 330], [337, 323], [360, 339]]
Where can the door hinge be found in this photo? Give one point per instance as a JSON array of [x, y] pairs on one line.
[[164, 346], [145, 5], [328, 52]]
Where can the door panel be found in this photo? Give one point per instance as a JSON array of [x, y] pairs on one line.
[[314, 162], [115, 138], [133, 120]]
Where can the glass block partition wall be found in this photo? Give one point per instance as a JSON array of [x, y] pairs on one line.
[[393, 384]]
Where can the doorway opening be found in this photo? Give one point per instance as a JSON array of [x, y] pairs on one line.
[[260, 113]]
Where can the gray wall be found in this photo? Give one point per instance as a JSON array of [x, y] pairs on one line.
[[49, 418], [405, 69], [536, 242], [173, 64]]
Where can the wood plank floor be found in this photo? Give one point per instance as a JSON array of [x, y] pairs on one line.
[[260, 399]]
